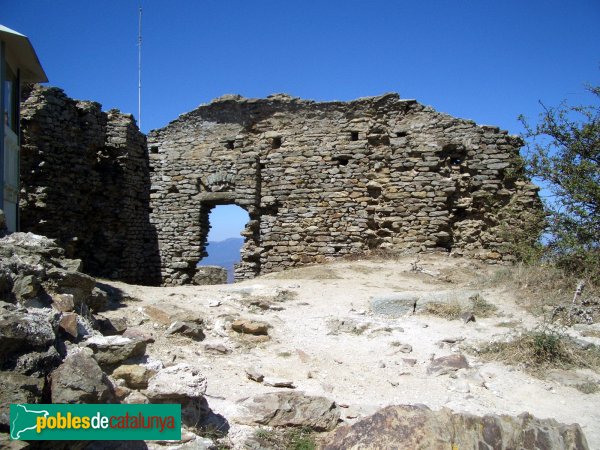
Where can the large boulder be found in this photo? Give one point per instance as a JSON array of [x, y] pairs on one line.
[[37, 364], [402, 303], [79, 379], [17, 388], [416, 427], [23, 331], [290, 409], [77, 284], [34, 271], [184, 385], [111, 351]]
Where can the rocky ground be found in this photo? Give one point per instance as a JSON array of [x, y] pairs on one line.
[[321, 348]]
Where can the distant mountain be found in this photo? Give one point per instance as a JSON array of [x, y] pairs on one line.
[[225, 254]]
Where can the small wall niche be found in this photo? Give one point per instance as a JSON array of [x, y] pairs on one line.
[[154, 149], [276, 142], [354, 135], [229, 144], [342, 160], [454, 154]]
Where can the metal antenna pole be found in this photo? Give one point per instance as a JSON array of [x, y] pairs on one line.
[[140, 69]]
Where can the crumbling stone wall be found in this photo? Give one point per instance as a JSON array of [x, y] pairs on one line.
[[323, 180], [85, 182]]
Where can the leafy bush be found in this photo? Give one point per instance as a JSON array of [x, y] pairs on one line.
[[564, 153]]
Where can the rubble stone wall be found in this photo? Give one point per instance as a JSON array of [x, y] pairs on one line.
[[85, 182], [324, 180]]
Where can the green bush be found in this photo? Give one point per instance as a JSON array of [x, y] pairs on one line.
[[564, 153]]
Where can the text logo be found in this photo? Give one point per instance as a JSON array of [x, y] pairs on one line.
[[95, 422]]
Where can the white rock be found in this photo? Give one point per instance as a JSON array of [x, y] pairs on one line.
[[178, 381]]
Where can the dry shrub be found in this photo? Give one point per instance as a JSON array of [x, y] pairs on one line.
[[445, 310], [481, 307], [542, 288], [286, 439], [477, 305], [542, 349]]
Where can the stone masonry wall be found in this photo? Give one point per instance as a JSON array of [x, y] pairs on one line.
[[85, 181], [323, 180]]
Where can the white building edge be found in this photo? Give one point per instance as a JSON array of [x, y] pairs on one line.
[[18, 64]]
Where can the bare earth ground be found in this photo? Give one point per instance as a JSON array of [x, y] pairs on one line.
[[361, 369]]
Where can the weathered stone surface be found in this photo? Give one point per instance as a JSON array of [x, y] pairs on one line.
[[21, 332], [98, 300], [17, 388], [77, 284], [176, 382], [63, 302], [253, 327], [319, 180], [254, 374], [447, 364], [111, 351], [166, 314], [395, 305], [417, 427], [216, 347], [111, 326], [79, 379], [26, 288], [68, 324], [188, 329], [323, 180], [37, 363], [103, 220], [402, 303], [42, 275], [279, 382], [184, 385], [290, 409], [207, 275], [134, 375], [136, 398]]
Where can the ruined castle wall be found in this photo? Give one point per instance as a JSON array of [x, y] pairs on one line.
[[85, 181], [323, 180]]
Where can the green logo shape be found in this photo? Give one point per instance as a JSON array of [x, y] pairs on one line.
[[107, 422]]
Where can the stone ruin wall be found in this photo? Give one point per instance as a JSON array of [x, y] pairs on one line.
[[85, 182], [318, 180], [324, 180]]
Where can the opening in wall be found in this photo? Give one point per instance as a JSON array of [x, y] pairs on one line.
[[229, 145], [224, 241], [354, 135], [276, 142], [342, 160]]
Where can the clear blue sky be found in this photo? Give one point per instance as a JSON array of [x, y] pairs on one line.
[[483, 60]]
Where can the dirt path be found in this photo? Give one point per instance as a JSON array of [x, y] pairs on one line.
[[327, 341]]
